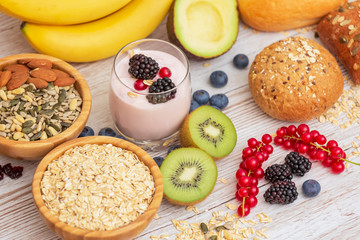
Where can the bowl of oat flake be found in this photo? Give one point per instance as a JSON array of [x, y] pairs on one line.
[[97, 188], [44, 102]]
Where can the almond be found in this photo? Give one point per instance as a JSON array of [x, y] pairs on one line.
[[64, 81], [36, 63], [44, 73], [60, 73], [17, 79], [5, 77], [17, 68], [38, 82]]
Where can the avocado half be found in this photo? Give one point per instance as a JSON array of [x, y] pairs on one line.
[[203, 29]]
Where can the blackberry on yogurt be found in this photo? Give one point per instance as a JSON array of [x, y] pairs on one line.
[[143, 67], [161, 85]]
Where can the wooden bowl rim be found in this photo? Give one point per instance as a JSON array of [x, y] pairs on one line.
[[82, 86], [59, 150]]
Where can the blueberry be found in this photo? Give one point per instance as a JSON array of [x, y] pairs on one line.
[[201, 97], [218, 79], [241, 61], [120, 136], [159, 160], [219, 100], [87, 131], [172, 148], [194, 105], [107, 132], [311, 188]]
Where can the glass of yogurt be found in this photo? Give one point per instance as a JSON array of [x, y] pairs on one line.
[[150, 118]]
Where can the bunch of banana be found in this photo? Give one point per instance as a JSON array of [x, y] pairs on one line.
[[92, 40]]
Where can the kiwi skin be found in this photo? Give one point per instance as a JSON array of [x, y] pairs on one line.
[[169, 199], [185, 135]]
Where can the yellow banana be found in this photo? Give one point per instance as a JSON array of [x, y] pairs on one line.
[[101, 38], [63, 12]]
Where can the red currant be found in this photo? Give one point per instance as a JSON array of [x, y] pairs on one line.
[[303, 128], [313, 153], [278, 140], [237, 196], [243, 192], [140, 85], [291, 130], [252, 142], [164, 72], [237, 186], [327, 161], [242, 165], [266, 155], [303, 148], [247, 152], [306, 137], [251, 201], [258, 173], [331, 144], [268, 148], [287, 144], [253, 190], [320, 155], [244, 181], [281, 132], [320, 139], [243, 210], [337, 167], [251, 163], [266, 138], [336, 152], [240, 173], [314, 134], [253, 181], [260, 157]]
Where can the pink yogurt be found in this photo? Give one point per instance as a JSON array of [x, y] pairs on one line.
[[134, 116]]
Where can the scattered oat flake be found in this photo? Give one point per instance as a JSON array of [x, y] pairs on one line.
[[164, 236], [223, 180], [153, 237], [255, 31], [156, 216], [231, 206], [207, 64]]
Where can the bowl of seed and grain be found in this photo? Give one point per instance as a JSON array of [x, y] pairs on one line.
[[44, 102], [97, 187]]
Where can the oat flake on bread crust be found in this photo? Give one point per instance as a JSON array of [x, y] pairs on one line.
[[295, 79]]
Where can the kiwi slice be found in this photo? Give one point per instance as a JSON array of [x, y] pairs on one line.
[[189, 176], [210, 130]]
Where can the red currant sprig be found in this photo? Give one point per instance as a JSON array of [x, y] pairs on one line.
[[250, 171], [315, 145]]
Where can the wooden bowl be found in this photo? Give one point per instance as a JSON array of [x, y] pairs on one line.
[[126, 232], [35, 150]]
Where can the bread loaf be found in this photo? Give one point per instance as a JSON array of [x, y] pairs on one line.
[[279, 15], [295, 79], [340, 33]]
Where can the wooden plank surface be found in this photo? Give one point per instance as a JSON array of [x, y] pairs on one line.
[[334, 214]]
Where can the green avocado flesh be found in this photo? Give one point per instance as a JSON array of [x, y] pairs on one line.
[[206, 28], [189, 175], [212, 131]]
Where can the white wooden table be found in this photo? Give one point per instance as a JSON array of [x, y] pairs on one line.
[[334, 214]]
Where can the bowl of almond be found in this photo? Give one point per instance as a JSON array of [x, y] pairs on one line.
[[97, 188], [44, 102]]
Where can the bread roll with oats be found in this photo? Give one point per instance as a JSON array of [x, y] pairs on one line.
[[295, 79], [339, 31], [280, 15]]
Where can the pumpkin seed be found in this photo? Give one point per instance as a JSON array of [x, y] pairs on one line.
[[56, 127], [62, 95], [39, 93], [36, 136], [65, 124], [56, 117], [47, 121], [56, 105], [204, 228], [47, 112], [29, 88], [213, 237], [219, 228], [48, 133], [27, 130], [28, 124], [14, 102], [32, 112], [21, 106]]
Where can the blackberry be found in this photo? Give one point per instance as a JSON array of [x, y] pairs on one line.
[[143, 67], [278, 172], [161, 85], [298, 164], [281, 192]]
